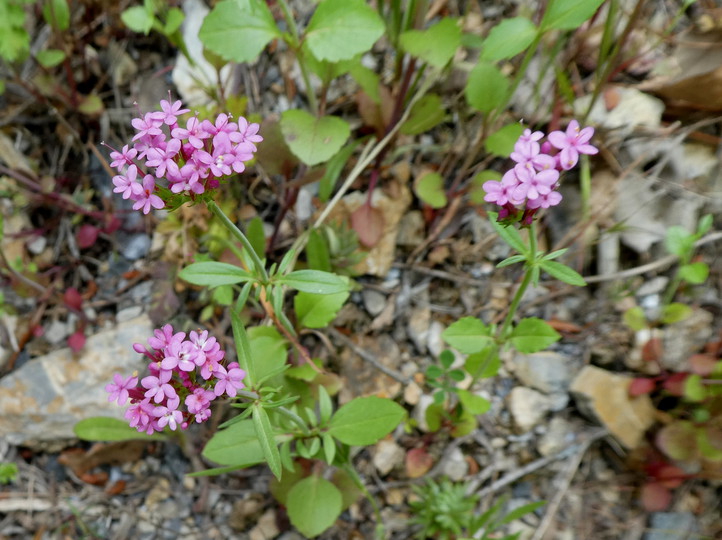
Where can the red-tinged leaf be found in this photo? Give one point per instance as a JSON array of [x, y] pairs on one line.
[[702, 364], [72, 299], [87, 236], [641, 385], [418, 462], [675, 384], [112, 225], [670, 476], [652, 350], [655, 497], [76, 341], [368, 222]]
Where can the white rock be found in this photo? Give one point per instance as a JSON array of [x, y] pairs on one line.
[[635, 109], [387, 456], [528, 407], [419, 413], [455, 466], [559, 435]]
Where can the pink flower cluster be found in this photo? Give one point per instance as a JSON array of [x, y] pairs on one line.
[[185, 376], [192, 158], [532, 183]]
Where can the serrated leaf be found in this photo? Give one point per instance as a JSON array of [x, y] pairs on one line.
[[487, 88], [430, 189], [533, 335], [105, 428], [363, 421], [213, 274], [238, 30], [236, 445], [317, 310], [694, 273], [635, 318], [436, 45], [472, 403], [313, 505], [508, 38], [563, 273], [266, 439], [315, 281], [501, 142], [313, 140], [568, 14], [341, 29], [425, 114], [468, 335], [138, 19]]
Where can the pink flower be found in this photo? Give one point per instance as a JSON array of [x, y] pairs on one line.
[[246, 133], [545, 201], [148, 126], [127, 185], [502, 192], [533, 184], [123, 158], [229, 380], [157, 388], [140, 416], [168, 417], [147, 199], [181, 355], [572, 143], [118, 389], [164, 337], [194, 132], [164, 158], [170, 112]]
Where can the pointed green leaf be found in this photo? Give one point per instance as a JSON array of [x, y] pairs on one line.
[[315, 281], [237, 446], [436, 45], [325, 407], [568, 14], [329, 448], [508, 38], [675, 312], [472, 403], [532, 335], [213, 274], [508, 233], [468, 335], [243, 349], [264, 432], [695, 273], [105, 428], [563, 273], [425, 114]]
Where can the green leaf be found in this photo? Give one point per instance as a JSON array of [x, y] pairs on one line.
[[313, 140], [555, 254], [264, 432], [508, 38], [434, 415], [329, 447], [511, 260], [694, 390], [243, 350], [487, 88], [50, 58], [706, 447], [430, 189], [216, 471], [568, 14], [635, 318], [269, 349], [313, 504], [105, 428], [223, 295], [679, 242], [532, 335], [325, 407], [367, 79], [484, 364], [236, 445], [257, 237], [238, 30], [213, 274], [695, 273], [563, 273], [425, 114], [472, 403], [501, 143], [317, 310], [315, 281], [675, 312], [704, 225], [138, 19], [435, 45], [173, 21], [57, 14], [317, 253], [468, 335], [363, 421], [341, 29], [521, 512], [508, 233]]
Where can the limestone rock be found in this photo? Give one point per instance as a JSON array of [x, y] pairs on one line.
[[604, 396], [546, 371], [387, 456], [528, 407], [41, 401]]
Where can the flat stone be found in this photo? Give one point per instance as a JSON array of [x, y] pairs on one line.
[[559, 435], [681, 340], [374, 301], [604, 396], [41, 401], [387, 456], [456, 467], [671, 526], [528, 407], [546, 371]]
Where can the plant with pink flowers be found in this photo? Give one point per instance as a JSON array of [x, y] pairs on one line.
[[192, 160], [533, 181], [185, 376]]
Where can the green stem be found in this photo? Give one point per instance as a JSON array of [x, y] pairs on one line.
[[348, 467], [585, 186], [294, 418], [238, 235], [296, 46], [528, 272]]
